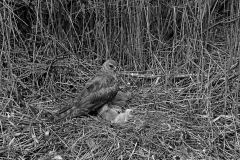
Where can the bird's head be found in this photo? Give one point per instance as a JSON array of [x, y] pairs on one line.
[[109, 66]]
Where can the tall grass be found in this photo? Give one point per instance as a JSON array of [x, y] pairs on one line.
[[180, 58]]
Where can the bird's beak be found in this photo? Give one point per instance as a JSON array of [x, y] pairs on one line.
[[117, 69]]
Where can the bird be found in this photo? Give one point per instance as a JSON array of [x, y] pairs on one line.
[[98, 91], [123, 117], [109, 112], [112, 111], [121, 99]]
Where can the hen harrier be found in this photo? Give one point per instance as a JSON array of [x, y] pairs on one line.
[[99, 90]]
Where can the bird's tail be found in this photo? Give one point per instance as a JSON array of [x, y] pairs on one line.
[[63, 113]]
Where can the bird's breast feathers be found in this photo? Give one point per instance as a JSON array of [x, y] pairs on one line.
[[102, 88], [97, 92]]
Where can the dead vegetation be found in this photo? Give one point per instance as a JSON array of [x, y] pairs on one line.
[[179, 59]]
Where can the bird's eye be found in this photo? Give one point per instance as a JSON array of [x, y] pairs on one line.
[[112, 66]]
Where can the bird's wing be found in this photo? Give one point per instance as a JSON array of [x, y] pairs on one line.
[[97, 92], [121, 96]]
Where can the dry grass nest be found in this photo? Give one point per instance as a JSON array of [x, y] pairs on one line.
[[171, 123]]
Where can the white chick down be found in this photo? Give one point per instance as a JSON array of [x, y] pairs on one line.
[[123, 117], [108, 113]]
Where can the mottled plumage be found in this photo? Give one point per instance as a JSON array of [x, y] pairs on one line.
[[121, 99], [99, 90]]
